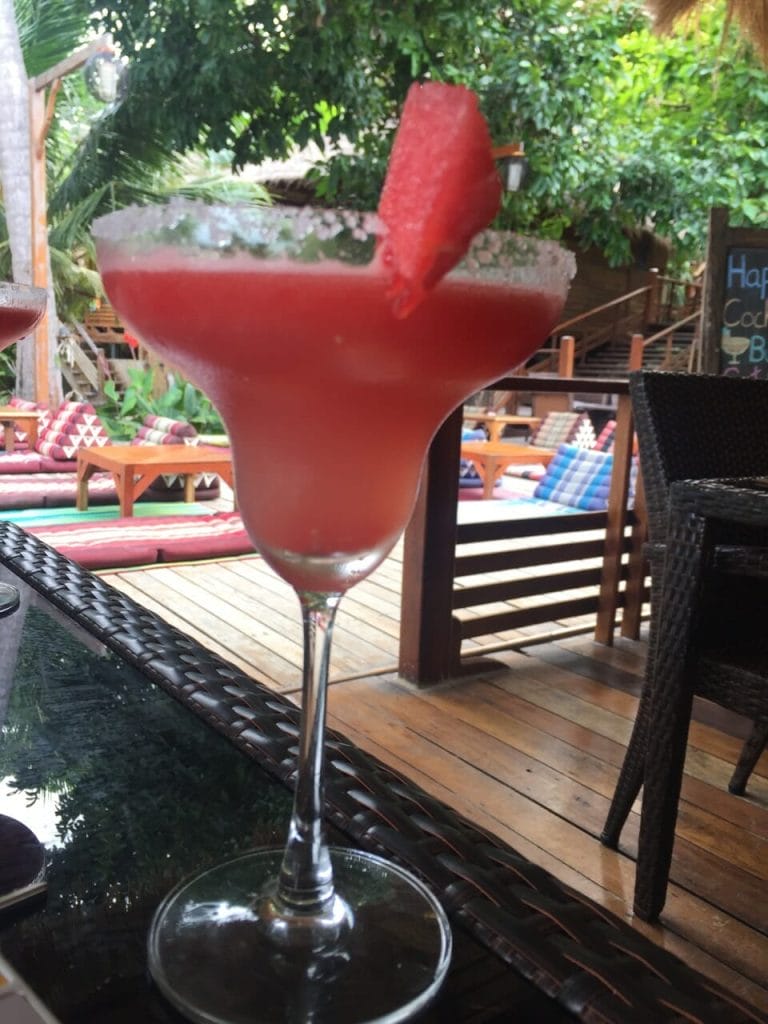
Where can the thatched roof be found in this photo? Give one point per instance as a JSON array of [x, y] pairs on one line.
[[750, 15]]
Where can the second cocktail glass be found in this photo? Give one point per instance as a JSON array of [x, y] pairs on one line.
[[21, 306], [281, 316]]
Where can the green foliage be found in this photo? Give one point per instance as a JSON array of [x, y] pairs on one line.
[[7, 374], [123, 415], [623, 129]]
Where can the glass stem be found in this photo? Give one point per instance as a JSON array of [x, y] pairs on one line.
[[306, 875]]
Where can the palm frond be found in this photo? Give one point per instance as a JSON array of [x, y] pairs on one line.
[[76, 285], [49, 30], [750, 15], [71, 226]]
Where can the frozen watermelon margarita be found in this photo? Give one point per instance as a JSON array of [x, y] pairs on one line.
[[330, 398], [333, 344]]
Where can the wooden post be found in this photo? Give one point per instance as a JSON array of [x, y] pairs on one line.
[[636, 350], [616, 522], [567, 356], [428, 652], [651, 312], [39, 228], [40, 117]]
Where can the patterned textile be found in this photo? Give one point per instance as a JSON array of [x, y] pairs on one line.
[[556, 428], [606, 437], [19, 462], [48, 490], [129, 541], [579, 477], [164, 430], [166, 425], [74, 425], [153, 435], [564, 427]]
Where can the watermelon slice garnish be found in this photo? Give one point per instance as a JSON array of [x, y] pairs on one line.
[[442, 187]]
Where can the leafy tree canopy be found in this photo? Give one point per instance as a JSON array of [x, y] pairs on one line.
[[623, 129]]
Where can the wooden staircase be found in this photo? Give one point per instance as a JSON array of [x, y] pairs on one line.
[[92, 352], [612, 360]]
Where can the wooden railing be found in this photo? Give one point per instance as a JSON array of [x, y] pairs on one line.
[[72, 354], [672, 360], [661, 300], [432, 633]]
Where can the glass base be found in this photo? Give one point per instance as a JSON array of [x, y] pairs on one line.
[[215, 953]]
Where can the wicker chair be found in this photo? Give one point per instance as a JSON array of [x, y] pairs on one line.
[[692, 427]]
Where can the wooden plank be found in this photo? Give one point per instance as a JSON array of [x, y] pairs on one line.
[[507, 529], [468, 565], [432, 748], [515, 619], [511, 590]]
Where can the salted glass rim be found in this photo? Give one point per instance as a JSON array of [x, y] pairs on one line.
[[14, 294], [312, 234]]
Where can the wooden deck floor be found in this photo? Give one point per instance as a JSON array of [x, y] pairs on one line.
[[529, 750]]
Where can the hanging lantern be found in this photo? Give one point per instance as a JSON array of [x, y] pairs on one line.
[[104, 75], [514, 166]]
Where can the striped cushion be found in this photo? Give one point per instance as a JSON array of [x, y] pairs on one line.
[[556, 428], [579, 477], [74, 425], [166, 425], [164, 430], [561, 427], [49, 490], [606, 437], [151, 435], [20, 462], [129, 541]]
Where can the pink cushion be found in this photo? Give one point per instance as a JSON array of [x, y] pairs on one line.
[[38, 490], [19, 462], [131, 541], [218, 536], [74, 425], [166, 425], [163, 430], [49, 465], [606, 437], [150, 435]]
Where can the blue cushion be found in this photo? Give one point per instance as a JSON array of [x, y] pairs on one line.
[[579, 477]]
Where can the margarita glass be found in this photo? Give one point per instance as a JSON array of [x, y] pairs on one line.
[[282, 317], [21, 306]]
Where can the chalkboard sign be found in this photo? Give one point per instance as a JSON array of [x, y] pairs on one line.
[[735, 312]]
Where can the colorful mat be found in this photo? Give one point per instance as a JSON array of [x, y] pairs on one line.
[[119, 543], [60, 516]]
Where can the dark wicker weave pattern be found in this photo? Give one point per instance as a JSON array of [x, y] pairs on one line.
[[709, 568], [585, 958]]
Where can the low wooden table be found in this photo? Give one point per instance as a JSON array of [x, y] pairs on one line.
[[496, 422], [26, 419], [491, 458], [134, 467]]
